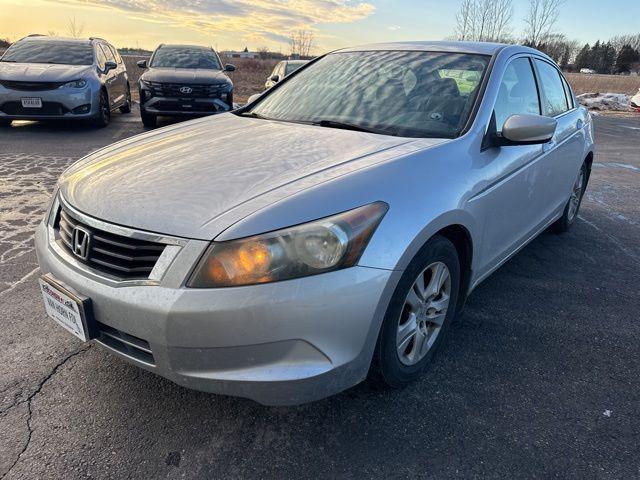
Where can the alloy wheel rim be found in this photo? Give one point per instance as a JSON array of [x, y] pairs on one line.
[[576, 195], [423, 313]]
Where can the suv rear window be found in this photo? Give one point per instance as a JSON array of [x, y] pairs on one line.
[[62, 53]]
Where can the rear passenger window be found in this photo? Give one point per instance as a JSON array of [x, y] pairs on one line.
[[115, 54], [567, 91], [518, 93], [555, 101], [107, 53]]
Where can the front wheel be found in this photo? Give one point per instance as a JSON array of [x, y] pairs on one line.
[[149, 121], [126, 108], [575, 200], [4, 122], [104, 111], [419, 314]]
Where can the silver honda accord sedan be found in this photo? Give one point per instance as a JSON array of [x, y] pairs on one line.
[[329, 230]]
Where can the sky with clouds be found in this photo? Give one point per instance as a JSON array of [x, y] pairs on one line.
[[234, 24]]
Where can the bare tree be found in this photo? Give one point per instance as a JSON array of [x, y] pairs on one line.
[[52, 33], [301, 43], [263, 52], [74, 28], [484, 20], [541, 19]]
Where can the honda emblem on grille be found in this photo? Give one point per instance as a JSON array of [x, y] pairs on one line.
[[186, 89], [81, 243]]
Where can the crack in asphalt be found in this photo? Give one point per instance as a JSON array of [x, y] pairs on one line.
[[29, 399]]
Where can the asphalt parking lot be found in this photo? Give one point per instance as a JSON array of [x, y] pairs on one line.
[[540, 378]]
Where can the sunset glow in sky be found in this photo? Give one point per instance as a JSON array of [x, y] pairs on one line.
[[234, 24]]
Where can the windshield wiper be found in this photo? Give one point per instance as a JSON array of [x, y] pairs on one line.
[[353, 126], [253, 115]]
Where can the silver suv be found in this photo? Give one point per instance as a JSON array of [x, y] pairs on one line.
[[45, 78]]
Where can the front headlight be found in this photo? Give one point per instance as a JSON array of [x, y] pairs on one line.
[[320, 246], [75, 84]]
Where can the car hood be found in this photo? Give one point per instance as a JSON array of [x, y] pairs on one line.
[[41, 72], [196, 179], [186, 75]]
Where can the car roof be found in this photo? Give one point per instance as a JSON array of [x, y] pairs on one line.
[[481, 48], [47, 38], [177, 45]]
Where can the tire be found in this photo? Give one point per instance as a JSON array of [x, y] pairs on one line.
[[103, 117], [126, 108], [4, 122], [572, 208], [149, 121], [396, 360]]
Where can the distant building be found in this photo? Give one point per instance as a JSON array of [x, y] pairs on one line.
[[243, 54]]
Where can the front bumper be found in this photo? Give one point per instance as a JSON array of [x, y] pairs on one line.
[[188, 107], [283, 343], [56, 104]]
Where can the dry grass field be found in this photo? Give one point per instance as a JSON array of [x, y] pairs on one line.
[[582, 83]]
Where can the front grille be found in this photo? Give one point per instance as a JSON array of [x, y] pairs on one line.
[[125, 343], [116, 255], [30, 86], [48, 108], [172, 90]]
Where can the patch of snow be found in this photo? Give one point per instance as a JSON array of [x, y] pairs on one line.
[[607, 413], [618, 102], [635, 101]]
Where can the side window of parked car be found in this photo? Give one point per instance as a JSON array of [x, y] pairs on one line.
[[107, 53], [518, 93], [567, 91], [100, 57], [554, 91], [115, 54]]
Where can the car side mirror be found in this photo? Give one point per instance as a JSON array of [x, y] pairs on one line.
[[110, 66], [275, 78], [229, 68], [526, 129], [142, 63]]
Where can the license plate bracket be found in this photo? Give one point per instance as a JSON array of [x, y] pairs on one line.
[[72, 311]]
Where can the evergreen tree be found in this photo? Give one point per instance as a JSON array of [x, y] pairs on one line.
[[626, 58], [583, 60], [608, 58]]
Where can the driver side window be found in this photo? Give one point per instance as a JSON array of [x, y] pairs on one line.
[[518, 92]]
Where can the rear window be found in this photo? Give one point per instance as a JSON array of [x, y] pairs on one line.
[[60, 53], [185, 57]]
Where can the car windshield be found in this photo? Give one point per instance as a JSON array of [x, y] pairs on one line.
[[185, 57], [63, 53], [405, 93]]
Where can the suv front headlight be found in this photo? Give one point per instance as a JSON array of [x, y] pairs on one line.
[[75, 84], [316, 247]]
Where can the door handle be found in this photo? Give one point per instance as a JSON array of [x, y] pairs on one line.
[[579, 124]]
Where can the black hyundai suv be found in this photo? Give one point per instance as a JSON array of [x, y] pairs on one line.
[[184, 80]]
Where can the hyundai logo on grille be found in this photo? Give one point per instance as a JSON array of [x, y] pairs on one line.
[[186, 89], [81, 243]]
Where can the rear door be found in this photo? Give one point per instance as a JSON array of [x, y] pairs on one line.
[[123, 79], [566, 148], [114, 88]]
